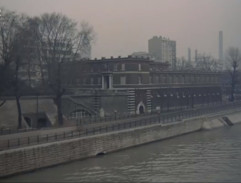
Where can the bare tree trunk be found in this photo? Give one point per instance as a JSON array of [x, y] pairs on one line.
[[59, 109], [232, 88], [59, 94], [42, 72], [29, 74], [233, 81], [19, 112], [234, 59], [17, 96]]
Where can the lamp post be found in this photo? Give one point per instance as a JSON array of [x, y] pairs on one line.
[[37, 108]]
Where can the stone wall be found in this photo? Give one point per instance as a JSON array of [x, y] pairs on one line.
[[29, 106], [45, 155], [39, 156], [112, 103]]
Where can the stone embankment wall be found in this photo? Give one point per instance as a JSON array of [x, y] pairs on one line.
[[217, 121], [40, 156], [29, 107]]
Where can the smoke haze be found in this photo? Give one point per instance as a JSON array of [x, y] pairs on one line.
[[124, 26]]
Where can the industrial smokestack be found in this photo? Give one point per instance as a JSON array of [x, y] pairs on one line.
[[221, 46], [189, 55]]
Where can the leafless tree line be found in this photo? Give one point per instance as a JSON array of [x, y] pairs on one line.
[[233, 68], [203, 63], [39, 45], [207, 63]]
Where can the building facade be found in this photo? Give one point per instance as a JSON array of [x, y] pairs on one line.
[[162, 49], [134, 85]]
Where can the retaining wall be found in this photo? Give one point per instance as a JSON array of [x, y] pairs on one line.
[[49, 154]]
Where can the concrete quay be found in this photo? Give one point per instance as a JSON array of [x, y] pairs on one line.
[[34, 157]]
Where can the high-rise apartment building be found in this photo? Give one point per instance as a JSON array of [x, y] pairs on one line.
[[220, 50], [162, 49]]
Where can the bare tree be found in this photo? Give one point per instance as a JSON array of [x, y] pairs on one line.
[[11, 49], [207, 63], [58, 41], [3, 84], [84, 40], [233, 63], [183, 64], [9, 22], [20, 55], [8, 28]]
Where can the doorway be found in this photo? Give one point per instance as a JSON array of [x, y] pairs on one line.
[[106, 82], [140, 108]]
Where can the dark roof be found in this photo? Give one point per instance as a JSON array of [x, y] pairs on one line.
[[118, 59]]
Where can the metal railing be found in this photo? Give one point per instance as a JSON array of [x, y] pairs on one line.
[[97, 119], [112, 127], [13, 131]]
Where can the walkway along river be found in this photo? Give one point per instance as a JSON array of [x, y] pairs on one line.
[[52, 153], [98, 126], [205, 156]]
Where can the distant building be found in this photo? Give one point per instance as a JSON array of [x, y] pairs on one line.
[[162, 49], [141, 54], [133, 85]]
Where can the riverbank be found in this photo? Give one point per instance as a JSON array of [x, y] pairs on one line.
[[54, 153]]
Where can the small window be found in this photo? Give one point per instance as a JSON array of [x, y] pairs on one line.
[[91, 81], [139, 79], [139, 67], [123, 67], [115, 67], [123, 80]]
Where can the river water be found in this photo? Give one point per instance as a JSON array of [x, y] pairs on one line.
[[206, 156]]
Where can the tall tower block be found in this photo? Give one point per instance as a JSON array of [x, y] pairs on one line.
[[221, 46]]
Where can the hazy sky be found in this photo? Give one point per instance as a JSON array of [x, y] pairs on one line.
[[124, 26]]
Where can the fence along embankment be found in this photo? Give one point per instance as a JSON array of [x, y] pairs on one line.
[[29, 158]]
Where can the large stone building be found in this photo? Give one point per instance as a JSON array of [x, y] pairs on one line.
[[162, 49], [132, 86], [118, 86]]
